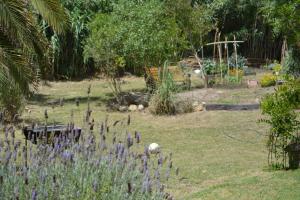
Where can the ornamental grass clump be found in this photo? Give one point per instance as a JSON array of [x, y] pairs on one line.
[[163, 100], [104, 164]]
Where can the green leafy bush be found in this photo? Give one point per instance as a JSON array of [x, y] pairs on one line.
[[241, 61], [268, 80], [283, 120], [141, 32], [292, 62], [209, 66]]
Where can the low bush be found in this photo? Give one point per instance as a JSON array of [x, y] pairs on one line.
[[241, 61], [233, 72], [279, 108], [163, 100], [184, 106], [268, 80]]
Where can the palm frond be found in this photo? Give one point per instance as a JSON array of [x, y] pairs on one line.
[[15, 66], [52, 12], [18, 25]]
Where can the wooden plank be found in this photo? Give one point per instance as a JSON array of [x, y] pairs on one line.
[[232, 107], [224, 42]]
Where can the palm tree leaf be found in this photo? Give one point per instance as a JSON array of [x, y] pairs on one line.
[[18, 25], [15, 66], [53, 12]]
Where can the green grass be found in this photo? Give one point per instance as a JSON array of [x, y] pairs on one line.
[[221, 155]]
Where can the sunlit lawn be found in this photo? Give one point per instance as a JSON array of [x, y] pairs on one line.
[[220, 154]]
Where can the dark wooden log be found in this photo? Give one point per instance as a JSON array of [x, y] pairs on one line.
[[231, 107]]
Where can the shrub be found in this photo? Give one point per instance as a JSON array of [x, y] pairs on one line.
[[292, 62], [91, 168], [11, 101], [184, 106], [233, 72], [162, 102], [209, 66], [268, 80], [241, 61], [284, 121]]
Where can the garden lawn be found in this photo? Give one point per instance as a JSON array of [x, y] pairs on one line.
[[220, 154]]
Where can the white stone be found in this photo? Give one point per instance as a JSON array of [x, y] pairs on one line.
[[257, 100], [132, 108], [199, 108], [154, 148], [140, 107], [123, 108], [195, 104], [203, 106], [197, 71]]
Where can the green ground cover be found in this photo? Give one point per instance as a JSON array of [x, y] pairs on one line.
[[220, 154]]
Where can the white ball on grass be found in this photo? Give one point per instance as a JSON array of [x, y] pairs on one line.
[[154, 148]]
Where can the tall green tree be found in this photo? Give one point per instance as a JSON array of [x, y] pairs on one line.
[[140, 32], [67, 49], [284, 18]]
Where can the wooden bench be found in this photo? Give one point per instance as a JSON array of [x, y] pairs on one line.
[[48, 134], [153, 74]]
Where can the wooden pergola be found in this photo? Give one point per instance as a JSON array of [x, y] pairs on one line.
[[219, 46]]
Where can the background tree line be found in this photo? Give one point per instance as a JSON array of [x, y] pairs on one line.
[[43, 39], [146, 32]]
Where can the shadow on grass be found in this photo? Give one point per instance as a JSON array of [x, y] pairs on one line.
[[47, 100]]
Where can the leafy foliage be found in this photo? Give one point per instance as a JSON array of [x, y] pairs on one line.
[[11, 101], [209, 66], [292, 62], [280, 109], [268, 80], [140, 32], [22, 46], [67, 49]]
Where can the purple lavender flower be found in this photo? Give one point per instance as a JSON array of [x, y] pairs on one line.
[[129, 140], [128, 120], [67, 156], [160, 161], [95, 185], [138, 138], [77, 102], [177, 171], [170, 164], [101, 129], [34, 194], [114, 140], [61, 102], [168, 174], [16, 193], [46, 114], [146, 151]]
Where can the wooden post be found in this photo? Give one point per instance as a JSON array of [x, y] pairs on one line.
[[227, 56], [236, 58], [217, 30], [220, 57], [283, 51]]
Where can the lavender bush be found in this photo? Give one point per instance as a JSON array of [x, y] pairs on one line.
[[103, 164]]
